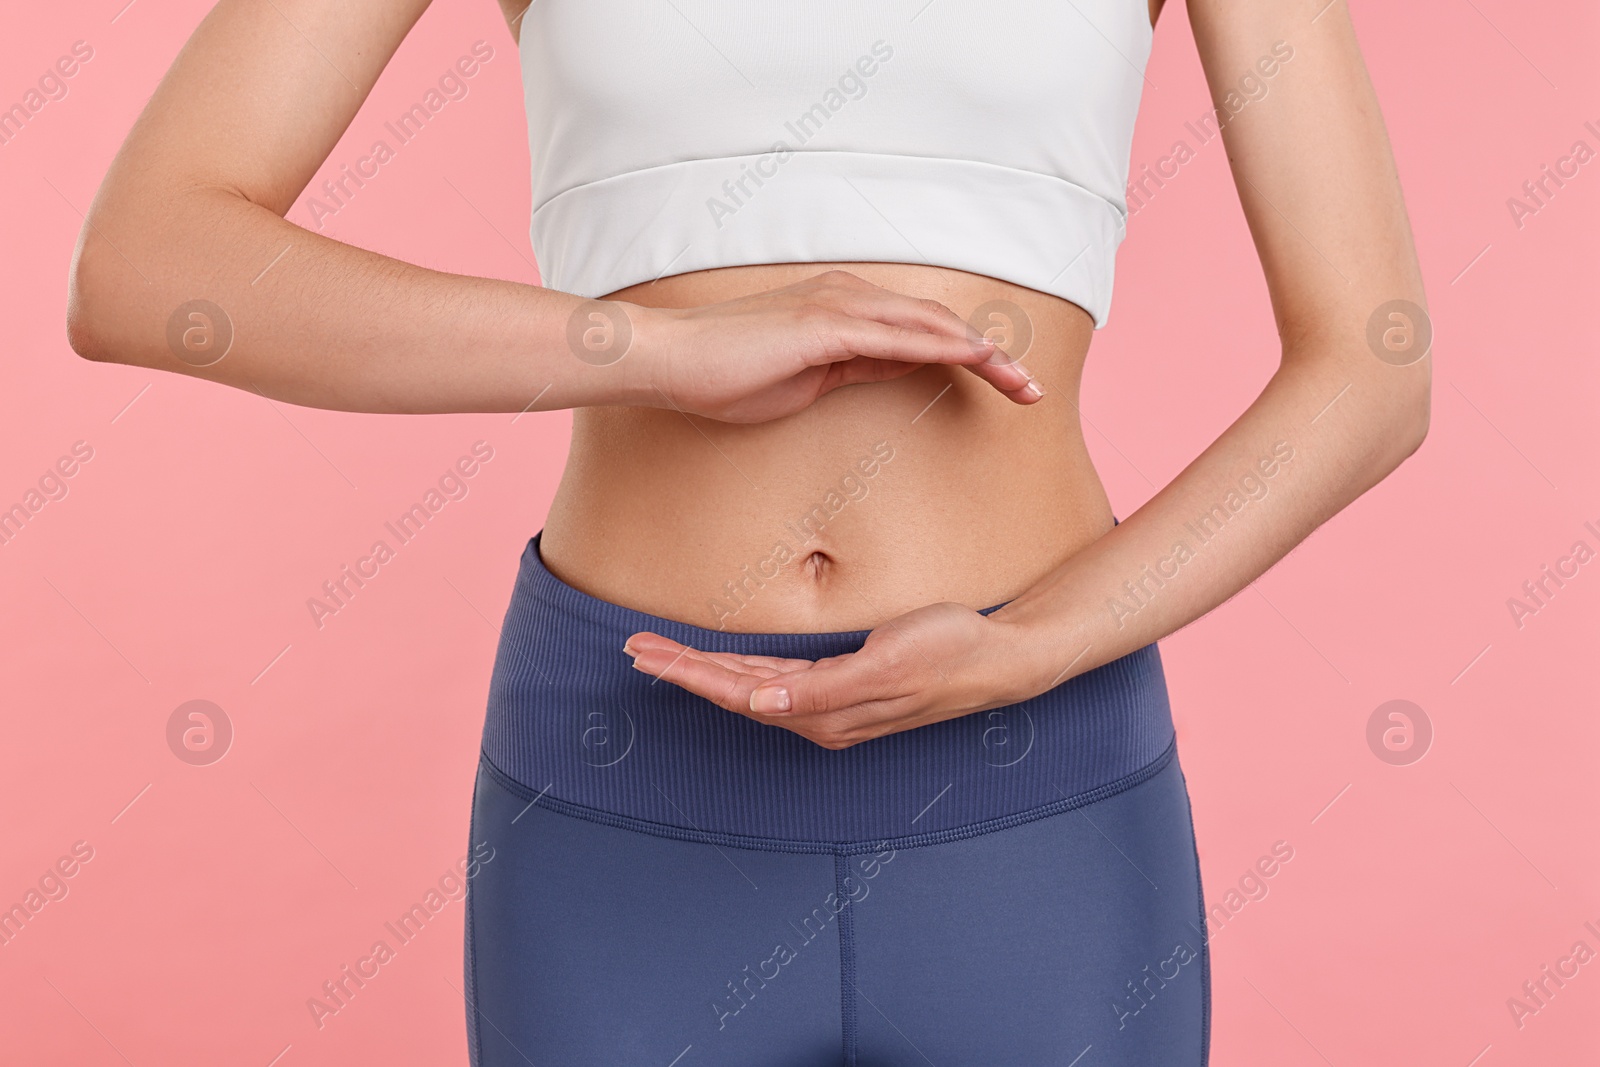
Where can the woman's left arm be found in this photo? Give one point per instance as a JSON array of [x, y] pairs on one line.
[[1347, 404]]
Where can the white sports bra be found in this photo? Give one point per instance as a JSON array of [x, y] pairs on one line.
[[991, 136]]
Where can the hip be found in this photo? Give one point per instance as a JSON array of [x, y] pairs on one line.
[[575, 728], [1029, 944]]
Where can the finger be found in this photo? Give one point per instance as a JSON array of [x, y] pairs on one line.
[[866, 369], [1008, 376], [722, 685], [1029, 393], [644, 640], [863, 337], [843, 683], [897, 309]]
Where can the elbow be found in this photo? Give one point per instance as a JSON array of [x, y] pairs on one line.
[[1407, 424], [84, 334], [1417, 409], [1415, 430], [88, 331]]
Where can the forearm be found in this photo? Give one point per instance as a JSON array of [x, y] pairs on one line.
[[186, 263], [321, 323], [1318, 185], [1324, 430], [1349, 402]]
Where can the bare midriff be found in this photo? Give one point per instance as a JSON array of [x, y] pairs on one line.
[[877, 499]]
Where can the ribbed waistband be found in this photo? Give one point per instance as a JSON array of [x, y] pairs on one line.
[[574, 724]]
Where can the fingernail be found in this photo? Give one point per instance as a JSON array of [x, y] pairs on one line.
[[770, 698], [630, 650], [985, 344], [1033, 388]]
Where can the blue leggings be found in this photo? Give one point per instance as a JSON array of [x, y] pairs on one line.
[[671, 884]]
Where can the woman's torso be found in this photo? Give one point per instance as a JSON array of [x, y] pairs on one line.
[[881, 498]]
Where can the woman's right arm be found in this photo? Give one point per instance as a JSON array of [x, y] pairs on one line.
[[193, 205]]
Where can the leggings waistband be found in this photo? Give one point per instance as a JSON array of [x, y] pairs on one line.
[[571, 721]]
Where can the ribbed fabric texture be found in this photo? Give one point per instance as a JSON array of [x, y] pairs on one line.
[[569, 718]]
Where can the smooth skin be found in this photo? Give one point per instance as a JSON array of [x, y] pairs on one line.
[[747, 392]]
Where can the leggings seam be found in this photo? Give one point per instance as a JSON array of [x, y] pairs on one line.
[[847, 959], [1205, 938], [840, 848], [475, 1036]]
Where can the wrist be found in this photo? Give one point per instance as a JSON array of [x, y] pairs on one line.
[[614, 352], [1042, 650], [646, 378]]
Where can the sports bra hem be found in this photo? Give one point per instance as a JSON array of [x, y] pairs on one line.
[[1121, 209], [1020, 226]]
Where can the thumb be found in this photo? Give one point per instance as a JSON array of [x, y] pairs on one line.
[[847, 681]]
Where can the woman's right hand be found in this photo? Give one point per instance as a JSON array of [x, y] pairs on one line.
[[771, 354]]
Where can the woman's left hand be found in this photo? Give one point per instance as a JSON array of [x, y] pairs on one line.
[[937, 662]]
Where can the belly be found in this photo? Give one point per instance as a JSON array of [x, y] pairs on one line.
[[877, 499]]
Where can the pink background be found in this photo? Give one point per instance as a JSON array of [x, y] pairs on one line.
[[220, 897]]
